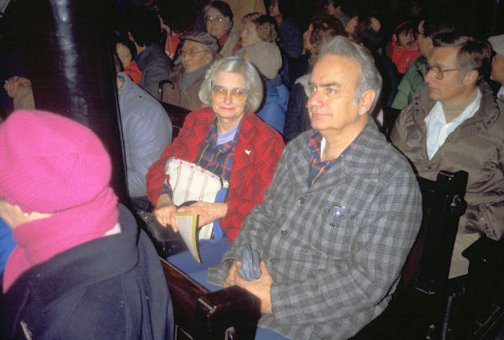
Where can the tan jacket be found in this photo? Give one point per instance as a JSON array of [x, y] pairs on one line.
[[476, 146]]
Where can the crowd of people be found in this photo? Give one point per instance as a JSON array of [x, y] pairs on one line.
[[306, 147]]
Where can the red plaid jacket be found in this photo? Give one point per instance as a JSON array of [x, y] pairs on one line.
[[257, 152]]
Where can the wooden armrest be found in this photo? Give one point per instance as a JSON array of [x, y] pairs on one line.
[[200, 314]]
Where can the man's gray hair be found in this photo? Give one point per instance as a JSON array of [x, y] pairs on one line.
[[252, 79], [370, 78]]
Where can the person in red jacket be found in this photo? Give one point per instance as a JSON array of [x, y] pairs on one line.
[[229, 140]]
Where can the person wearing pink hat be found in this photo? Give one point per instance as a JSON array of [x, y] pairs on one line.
[[81, 268]]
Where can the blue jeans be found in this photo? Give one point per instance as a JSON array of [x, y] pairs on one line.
[[261, 333]]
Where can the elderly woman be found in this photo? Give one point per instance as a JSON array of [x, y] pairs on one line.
[[219, 21], [198, 51], [227, 139], [75, 269], [259, 38]]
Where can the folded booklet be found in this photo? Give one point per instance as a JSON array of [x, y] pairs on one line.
[[187, 227]]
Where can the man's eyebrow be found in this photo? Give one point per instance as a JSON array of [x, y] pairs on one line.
[[332, 84]]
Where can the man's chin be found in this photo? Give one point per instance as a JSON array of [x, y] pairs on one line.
[[434, 94]]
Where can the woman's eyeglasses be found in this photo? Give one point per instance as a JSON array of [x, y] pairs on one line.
[[236, 94], [218, 19]]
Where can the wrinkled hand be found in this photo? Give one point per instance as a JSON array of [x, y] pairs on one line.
[[232, 273], [261, 288], [14, 83], [166, 212], [207, 212]]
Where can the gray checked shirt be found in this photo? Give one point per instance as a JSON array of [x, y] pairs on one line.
[[335, 250]]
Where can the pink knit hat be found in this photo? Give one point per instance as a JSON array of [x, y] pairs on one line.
[[50, 163]]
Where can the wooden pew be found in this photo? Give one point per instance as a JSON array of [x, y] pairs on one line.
[[230, 313], [422, 305]]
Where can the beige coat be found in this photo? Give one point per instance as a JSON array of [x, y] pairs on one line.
[[476, 146]]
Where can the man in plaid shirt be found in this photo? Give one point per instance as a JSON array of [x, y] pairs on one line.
[[340, 215]]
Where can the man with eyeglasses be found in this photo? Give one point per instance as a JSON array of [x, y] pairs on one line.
[[413, 79], [456, 124], [339, 217]]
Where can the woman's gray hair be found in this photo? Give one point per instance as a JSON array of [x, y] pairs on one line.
[[370, 78], [235, 65]]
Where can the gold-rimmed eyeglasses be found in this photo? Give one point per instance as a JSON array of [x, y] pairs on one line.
[[437, 71], [237, 94]]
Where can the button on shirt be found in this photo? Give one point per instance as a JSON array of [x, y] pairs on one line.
[[437, 127]]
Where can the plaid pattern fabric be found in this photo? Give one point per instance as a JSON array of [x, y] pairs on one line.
[[217, 159], [317, 167], [334, 249]]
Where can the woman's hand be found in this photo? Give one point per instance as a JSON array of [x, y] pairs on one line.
[[166, 212], [208, 212], [14, 83]]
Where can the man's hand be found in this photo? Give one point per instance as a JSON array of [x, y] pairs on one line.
[[207, 212], [261, 288]]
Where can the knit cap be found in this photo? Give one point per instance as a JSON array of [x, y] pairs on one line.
[[497, 42], [50, 163], [265, 56]]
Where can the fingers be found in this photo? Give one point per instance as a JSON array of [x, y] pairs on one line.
[[232, 274], [167, 216], [13, 83]]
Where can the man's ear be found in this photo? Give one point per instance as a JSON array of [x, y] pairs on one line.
[[471, 76], [366, 101]]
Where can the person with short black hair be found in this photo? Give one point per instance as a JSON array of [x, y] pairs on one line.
[[144, 31]]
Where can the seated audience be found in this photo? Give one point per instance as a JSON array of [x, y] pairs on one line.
[[335, 9], [368, 30], [404, 45], [291, 41], [497, 74], [219, 22], [199, 50], [81, 268], [228, 141], [339, 217], [242, 7], [175, 23], [413, 79], [125, 51], [321, 28], [145, 33], [455, 124], [259, 48]]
